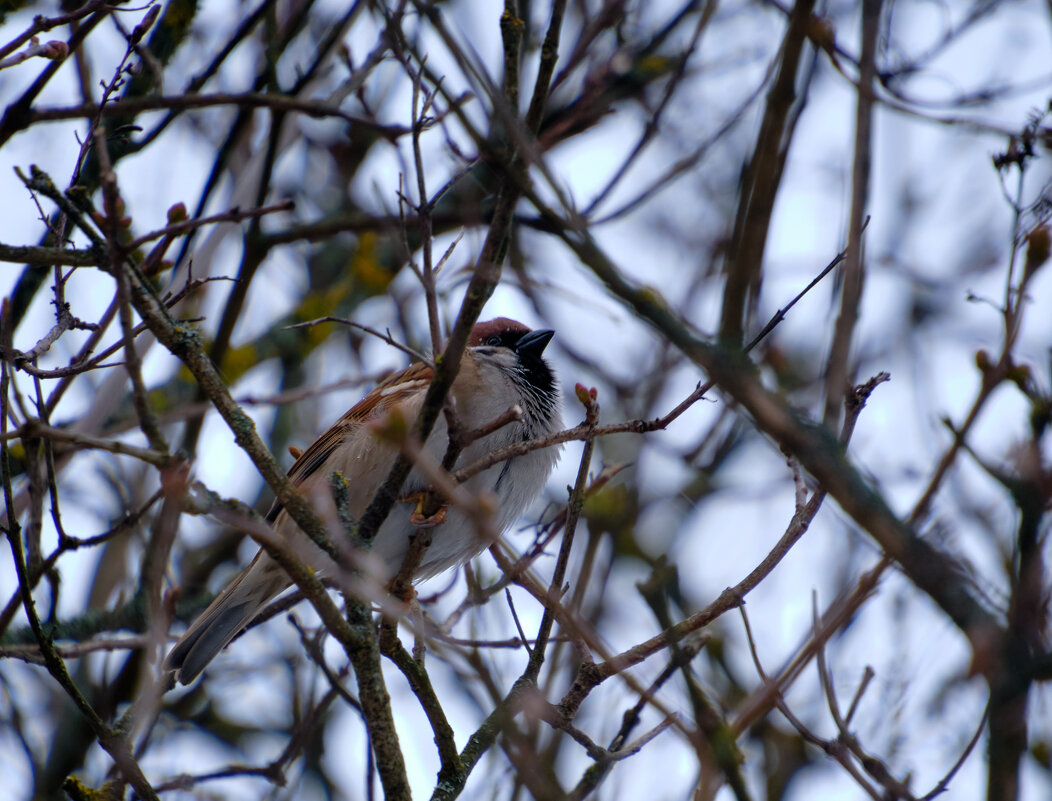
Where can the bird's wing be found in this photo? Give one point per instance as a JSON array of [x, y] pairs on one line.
[[386, 394]]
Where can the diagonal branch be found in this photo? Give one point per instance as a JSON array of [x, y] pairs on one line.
[[818, 450]]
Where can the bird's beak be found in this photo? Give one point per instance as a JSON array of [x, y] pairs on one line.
[[534, 343]]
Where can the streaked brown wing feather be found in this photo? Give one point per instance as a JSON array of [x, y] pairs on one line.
[[413, 377]]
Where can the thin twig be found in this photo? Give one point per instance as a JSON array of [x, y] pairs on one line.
[[231, 216], [385, 337]]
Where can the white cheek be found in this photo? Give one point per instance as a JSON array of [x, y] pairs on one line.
[[499, 396]]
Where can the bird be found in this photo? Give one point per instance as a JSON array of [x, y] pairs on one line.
[[502, 367]]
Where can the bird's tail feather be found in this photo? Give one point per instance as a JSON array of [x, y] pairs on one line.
[[226, 616]]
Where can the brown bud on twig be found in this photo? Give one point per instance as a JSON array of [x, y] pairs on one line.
[[147, 22], [1038, 247], [822, 33], [589, 399], [982, 361], [177, 214]]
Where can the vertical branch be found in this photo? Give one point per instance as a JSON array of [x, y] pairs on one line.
[[174, 487], [1009, 681], [420, 683], [36, 475], [484, 279], [6, 326], [838, 376], [716, 743], [511, 29], [424, 205], [376, 704], [111, 200], [546, 68], [762, 177], [253, 253], [576, 503], [1010, 676]]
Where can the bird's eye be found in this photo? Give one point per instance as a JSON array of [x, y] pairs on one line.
[[493, 340]]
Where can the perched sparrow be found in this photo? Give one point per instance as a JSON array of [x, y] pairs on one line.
[[501, 367]]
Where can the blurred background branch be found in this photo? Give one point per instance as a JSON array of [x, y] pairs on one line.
[[192, 187]]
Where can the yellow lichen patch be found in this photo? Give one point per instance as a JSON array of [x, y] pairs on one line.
[[78, 791], [654, 65], [185, 375], [159, 399], [316, 305], [365, 265], [507, 18], [179, 15], [239, 361], [17, 451], [610, 509], [651, 294]]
